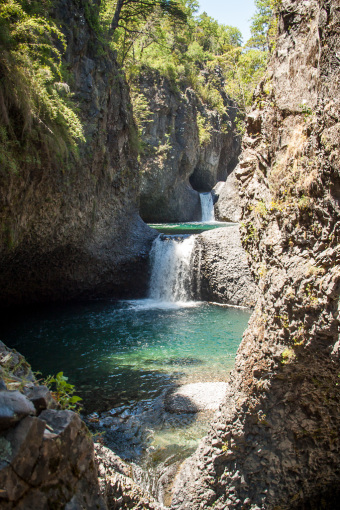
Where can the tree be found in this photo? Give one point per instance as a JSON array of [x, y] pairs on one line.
[[264, 24], [129, 10]]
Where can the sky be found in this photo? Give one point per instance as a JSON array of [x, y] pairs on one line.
[[236, 13]]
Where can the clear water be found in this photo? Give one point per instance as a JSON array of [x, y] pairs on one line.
[[123, 358], [188, 228], [116, 352]]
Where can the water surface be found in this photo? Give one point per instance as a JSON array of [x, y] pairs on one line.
[[129, 350], [189, 228]]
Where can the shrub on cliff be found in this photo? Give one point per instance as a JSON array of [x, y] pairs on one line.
[[36, 111]]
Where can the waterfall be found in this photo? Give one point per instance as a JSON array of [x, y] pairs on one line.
[[207, 206], [171, 268]]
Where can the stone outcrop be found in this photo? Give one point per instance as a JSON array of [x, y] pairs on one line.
[[174, 165], [221, 263], [117, 487], [275, 442], [228, 204], [74, 230], [46, 454]]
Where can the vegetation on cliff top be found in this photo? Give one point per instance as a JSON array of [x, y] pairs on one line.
[[38, 120], [37, 117], [199, 53]]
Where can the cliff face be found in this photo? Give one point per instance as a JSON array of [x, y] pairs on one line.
[[74, 230], [175, 165], [275, 443]]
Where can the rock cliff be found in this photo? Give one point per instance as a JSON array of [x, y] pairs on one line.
[[221, 265], [175, 166], [275, 442], [74, 230]]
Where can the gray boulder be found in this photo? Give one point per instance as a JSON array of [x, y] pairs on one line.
[[222, 268]]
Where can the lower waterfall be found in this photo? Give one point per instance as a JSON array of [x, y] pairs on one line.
[[171, 268], [207, 206]]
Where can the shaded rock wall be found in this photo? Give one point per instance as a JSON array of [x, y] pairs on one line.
[[74, 230], [275, 443], [174, 166]]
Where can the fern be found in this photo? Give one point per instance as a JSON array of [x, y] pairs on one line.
[[36, 113]]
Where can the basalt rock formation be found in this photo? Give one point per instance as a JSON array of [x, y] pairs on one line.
[[75, 231], [221, 265], [174, 165], [275, 443]]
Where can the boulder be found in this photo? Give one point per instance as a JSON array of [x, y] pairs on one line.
[[222, 269], [13, 407]]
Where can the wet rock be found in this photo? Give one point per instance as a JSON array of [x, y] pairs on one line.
[[13, 407]]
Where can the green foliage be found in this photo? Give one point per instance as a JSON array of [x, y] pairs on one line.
[[63, 392], [306, 111], [141, 109], [200, 54], [36, 111], [264, 25], [204, 130], [287, 356]]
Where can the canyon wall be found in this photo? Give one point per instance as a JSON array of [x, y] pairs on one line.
[[73, 230], [175, 164], [275, 442]]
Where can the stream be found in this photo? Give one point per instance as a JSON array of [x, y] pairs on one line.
[[124, 357]]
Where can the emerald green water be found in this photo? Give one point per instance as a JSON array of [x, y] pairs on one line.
[[123, 358], [188, 228], [115, 352]]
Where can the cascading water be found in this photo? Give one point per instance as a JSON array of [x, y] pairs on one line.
[[171, 268], [207, 206]]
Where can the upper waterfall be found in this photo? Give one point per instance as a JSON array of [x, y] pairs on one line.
[[207, 206], [171, 268]]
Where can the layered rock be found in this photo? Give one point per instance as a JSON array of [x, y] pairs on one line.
[[174, 165], [275, 443], [222, 268], [74, 230]]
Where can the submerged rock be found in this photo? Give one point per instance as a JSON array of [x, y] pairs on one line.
[[195, 397]]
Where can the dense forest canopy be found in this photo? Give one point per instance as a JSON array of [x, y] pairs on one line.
[[37, 113]]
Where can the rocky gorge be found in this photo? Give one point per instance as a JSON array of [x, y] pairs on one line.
[[76, 231], [175, 164], [274, 442]]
